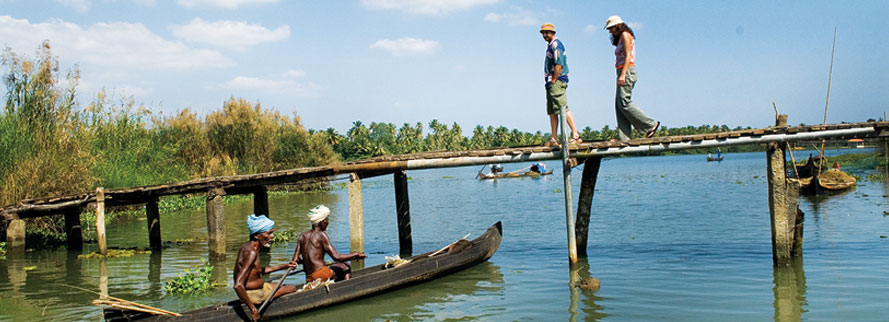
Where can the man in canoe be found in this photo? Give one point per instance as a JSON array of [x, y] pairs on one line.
[[315, 243], [249, 285]]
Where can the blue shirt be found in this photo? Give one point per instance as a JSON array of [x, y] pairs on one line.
[[555, 55]]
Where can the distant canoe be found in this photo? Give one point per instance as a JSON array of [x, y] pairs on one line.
[[484, 176], [366, 282], [709, 159]]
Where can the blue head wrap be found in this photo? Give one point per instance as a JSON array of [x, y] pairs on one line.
[[258, 224]]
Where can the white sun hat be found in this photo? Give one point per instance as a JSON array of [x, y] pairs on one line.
[[612, 21]]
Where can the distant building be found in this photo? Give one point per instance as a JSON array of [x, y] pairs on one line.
[[858, 143]]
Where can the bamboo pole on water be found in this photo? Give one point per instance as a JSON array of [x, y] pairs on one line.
[[827, 100], [566, 174]]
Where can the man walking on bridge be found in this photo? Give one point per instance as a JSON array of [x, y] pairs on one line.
[[555, 70]]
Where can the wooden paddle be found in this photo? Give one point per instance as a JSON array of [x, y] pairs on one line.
[[280, 282]]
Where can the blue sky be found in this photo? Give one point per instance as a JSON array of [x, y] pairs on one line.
[[468, 61]]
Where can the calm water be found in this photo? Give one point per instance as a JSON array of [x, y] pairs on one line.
[[671, 238]]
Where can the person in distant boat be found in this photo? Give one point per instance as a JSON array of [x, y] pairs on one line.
[[538, 167], [555, 71], [718, 153], [624, 40], [315, 243], [709, 156], [249, 285], [496, 168]]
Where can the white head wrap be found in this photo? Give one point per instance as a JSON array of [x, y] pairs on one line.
[[318, 214]]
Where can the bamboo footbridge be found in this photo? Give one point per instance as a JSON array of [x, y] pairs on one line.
[[589, 153]]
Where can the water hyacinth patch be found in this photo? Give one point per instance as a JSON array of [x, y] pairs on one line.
[[191, 282]]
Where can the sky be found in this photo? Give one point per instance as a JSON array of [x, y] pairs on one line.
[[474, 62]]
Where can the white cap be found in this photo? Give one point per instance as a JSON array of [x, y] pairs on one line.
[[612, 21]]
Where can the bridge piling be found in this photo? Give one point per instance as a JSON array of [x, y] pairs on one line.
[[783, 202], [585, 202], [403, 212], [15, 237], [261, 201], [100, 220], [154, 224], [73, 229], [356, 219], [216, 221]]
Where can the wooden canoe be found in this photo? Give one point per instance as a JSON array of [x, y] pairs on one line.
[[366, 282], [484, 176], [710, 159]]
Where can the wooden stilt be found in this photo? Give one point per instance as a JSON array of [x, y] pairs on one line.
[[100, 220], [783, 201], [216, 222], [261, 201], [585, 202], [154, 225], [73, 230], [356, 215], [403, 210], [103, 277], [15, 237]]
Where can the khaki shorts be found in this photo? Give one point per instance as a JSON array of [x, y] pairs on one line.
[[556, 98], [260, 295]]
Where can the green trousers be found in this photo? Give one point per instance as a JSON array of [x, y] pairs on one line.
[[627, 112]]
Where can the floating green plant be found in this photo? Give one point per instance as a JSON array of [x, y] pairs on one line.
[[114, 252], [191, 282]]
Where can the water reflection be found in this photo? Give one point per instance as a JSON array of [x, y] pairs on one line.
[[593, 311], [456, 296], [219, 275], [154, 275], [790, 291]]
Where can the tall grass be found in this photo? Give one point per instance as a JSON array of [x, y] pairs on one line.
[[51, 146]]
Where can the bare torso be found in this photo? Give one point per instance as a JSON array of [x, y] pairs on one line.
[[248, 258]]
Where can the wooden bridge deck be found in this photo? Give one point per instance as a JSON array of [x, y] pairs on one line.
[[243, 184]]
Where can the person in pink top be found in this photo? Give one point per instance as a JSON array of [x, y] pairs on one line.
[[624, 40]]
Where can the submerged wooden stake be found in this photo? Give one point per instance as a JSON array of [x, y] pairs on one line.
[[566, 175], [403, 213], [73, 230], [356, 215], [261, 201], [585, 202], [783, 201], [100, 220], [216, 222], [154, 224], [15, 236]]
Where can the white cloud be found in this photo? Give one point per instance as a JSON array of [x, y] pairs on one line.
[[237, 35], [407, 46], [129, 46], [517, 17], [590, 28], [285, 83], [426, 7], [77, 5], [227, 4]]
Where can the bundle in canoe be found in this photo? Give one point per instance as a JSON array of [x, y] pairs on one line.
[[811, 182], [366, 282]]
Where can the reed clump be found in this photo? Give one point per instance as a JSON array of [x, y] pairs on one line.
[[52, 146]]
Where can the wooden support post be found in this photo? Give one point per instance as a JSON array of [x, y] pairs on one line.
[[100, 220], [154, 225], [216, 222], [403, 213], [566, 187], [73, 229], [261, 201], [797, 249], [783, 201], [585, 202], [356, 220], [15, 237], [356, 215]]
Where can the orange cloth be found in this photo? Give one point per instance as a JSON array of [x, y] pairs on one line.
[[323, 273]]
